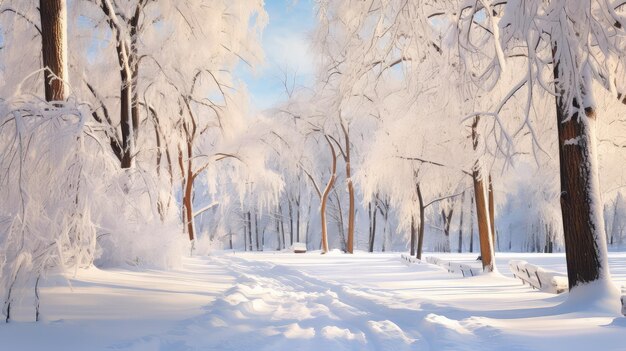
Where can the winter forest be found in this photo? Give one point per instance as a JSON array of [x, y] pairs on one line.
[[313, 174]]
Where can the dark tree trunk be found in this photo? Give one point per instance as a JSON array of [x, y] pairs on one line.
[[420, 237], [188, 190], [585, 242], [53, 15], [373, 213]]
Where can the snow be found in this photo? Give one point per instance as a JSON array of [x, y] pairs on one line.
[[287, 301]]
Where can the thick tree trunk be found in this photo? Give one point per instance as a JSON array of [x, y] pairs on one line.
[[485, 234], [583, 227], [53, 15], [484, 227]]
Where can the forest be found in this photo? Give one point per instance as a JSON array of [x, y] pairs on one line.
[[468, 134]]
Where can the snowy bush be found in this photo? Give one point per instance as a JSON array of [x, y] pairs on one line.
[[46, 205]]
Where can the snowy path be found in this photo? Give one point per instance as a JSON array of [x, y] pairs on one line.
[[273, 307], [280, 301]]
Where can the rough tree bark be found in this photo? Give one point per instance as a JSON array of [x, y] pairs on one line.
[[53, 15], [482, 210], [583, 227]]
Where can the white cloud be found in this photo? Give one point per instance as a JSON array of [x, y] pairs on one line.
[[290, 51]]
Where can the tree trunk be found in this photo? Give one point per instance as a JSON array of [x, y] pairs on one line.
[[290, 221], [329, 186], [372, 237], [583, 227], [447, 221], [249, 224], [492, 221], [256, 231], [420, 237], [277, 234], [53, 15], [282, 226], [298, 217], [471, 248], [351, 209], [413, 236], [188, 192], [461, 223], [340, 223], [482, 210]]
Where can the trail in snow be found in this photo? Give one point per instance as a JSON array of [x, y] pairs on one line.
[[274, 307], [281, 301]]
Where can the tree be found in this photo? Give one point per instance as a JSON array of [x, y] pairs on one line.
[[53, 15], [576, 45]]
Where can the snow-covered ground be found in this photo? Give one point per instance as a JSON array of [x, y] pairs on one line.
[[283, 301]]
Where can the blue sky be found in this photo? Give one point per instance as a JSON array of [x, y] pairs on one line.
[[285, 42]]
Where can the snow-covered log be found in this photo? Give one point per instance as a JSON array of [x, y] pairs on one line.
[[539, 278]]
